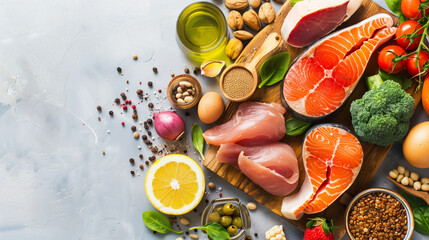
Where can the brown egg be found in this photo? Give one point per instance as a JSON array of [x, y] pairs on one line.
[[210, 108], [416, 146]]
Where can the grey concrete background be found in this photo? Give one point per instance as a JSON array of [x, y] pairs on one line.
[[58, 61]]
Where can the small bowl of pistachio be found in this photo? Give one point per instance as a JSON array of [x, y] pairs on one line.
[[184, 91]]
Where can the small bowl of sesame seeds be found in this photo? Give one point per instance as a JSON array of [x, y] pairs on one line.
[[379, 213], [184, 91]]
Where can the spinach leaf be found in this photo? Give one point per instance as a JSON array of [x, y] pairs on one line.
[[158, 222], [197, 139], [215, 231], [399, 78], [394, 6], [274, 69], [421, 213], [293, 2], [295, 127]]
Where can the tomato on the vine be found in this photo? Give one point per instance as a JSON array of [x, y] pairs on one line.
[[412, 67], [407, 28], [425, 95], [410, 9], [385, 59]]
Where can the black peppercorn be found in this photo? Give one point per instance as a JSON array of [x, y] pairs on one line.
[[111, 113], [155, 69], [119, 69], [152, 158], [141, 156], [186, 70], [154, 149], [149, 133], [132, 172], [139, 92], [149, 121], [99, 108], [117, 101], [132, 160], [150, 105], [133, 128], [123, 96], [150, 84], [144, 137]]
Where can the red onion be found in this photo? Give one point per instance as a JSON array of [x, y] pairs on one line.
[[169, 125]]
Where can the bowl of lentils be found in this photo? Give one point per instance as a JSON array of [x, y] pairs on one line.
[[379, 213]]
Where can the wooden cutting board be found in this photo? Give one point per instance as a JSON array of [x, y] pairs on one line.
[[373, 155]]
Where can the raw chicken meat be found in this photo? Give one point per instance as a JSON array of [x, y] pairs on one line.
[[332, 158], [254, 123], [323, 77], [273, 166]]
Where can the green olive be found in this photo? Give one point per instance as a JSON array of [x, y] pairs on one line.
[[236, 212], [228, 209], [218, 209], [237, 222], [232, 230], [214, 217], [225, 221]]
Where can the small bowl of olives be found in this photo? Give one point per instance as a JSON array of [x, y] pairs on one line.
[[231, 214]]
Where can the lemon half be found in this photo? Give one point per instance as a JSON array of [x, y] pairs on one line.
[[175, 184]]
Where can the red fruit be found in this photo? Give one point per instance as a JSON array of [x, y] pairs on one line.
[[410, 8], [319, 229], [386, 56], [412, 67], [407, 28]]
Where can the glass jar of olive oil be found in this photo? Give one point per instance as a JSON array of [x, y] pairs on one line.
[[202, 32]]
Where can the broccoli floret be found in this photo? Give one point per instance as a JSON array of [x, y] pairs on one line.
[[382, 115]]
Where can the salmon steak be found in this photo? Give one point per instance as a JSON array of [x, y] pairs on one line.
[[324, 76], [332, 158], [254, 123], [272, 166]]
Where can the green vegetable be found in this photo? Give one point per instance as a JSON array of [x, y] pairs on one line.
[[395, 7], [274, 69], [373, 81], [295, 127], [421, 213], [158, 222], [382, 115], [215, 231], [293, 2], [399, 78], [197, 139]]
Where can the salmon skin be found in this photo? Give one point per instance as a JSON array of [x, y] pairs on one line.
[[332, 158], [324, 76]]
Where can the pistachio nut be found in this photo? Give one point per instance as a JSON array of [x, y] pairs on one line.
[[243, 35], [267, 13], [255, 3], [234, 20], [251, 19], [236, 4], [233, 48]]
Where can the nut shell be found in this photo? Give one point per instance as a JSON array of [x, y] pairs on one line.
[[267, 14], [243, 35], [255, 3], [236, 4], [251, 19], [234, 20], [233, 48]]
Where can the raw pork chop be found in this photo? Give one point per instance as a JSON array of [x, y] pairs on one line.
[[272, 166], [254, 123], [332, 158], [322, 78]]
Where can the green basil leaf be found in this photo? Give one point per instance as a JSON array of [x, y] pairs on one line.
[[295, 127], [293, 2], [215, 231], [399, 78], [421, 220], [394, 6], [197, 139], [274, 69], [158, 222]]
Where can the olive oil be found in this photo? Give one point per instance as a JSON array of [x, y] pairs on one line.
[[202, 32]]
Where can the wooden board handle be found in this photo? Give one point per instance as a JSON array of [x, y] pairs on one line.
[[271, 43]]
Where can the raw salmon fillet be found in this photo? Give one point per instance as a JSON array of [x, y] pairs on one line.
[[273, 166], [332, 159], [324, 76], [254, 123]]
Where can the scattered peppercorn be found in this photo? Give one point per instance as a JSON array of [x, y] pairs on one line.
[[141, 156], [144, 137], [133, 128], [150, 83], [146, 126], [152, 158], [186, 70], [136, 135], [248, 237], [117, 101], [134, 116], [149, 133], [124, 107], [103, 152], [159, 90], [147, 162], [172, 75], [132, 160], [149, 121], [256, 234], [119, 69], [154, 150], [111, 113], [185, 151], [150, 105], [128, 82], [139, 92], [141, 166], [123, 124], [99, 108], [196, 70], [124, 97], [148, 142], [99, 119], [132, 172], [135, 57], [155, 69]]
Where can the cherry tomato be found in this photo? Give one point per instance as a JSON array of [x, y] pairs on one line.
[[386, 56], [410, 8], [408, 27], [425, 95], [411, 63]]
